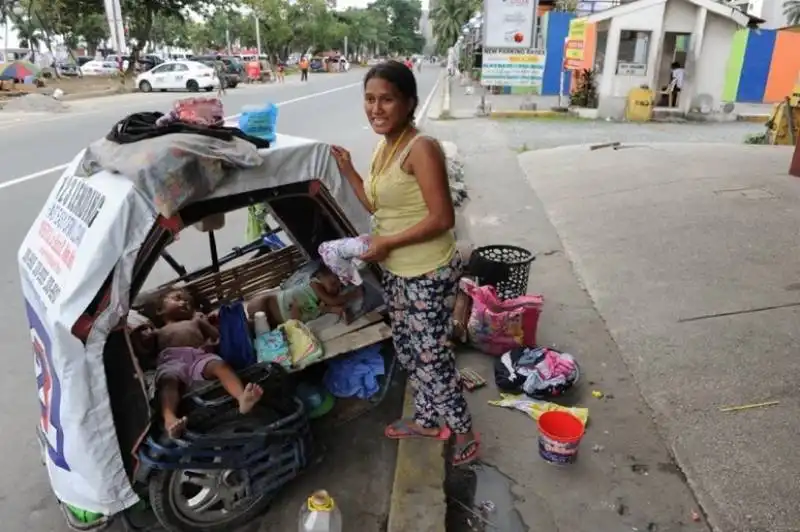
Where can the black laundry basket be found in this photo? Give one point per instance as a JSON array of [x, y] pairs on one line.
[[504, 267]]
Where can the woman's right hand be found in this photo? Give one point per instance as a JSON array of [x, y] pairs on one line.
[[343, 160]]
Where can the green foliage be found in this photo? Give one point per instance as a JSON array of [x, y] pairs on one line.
[[386, 26], [448, 18], [791, 10], [585, 93]]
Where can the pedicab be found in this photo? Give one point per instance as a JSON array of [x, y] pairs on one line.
[[84, 268]]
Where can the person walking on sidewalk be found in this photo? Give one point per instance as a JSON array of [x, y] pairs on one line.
[[303, 68], [412, 238]]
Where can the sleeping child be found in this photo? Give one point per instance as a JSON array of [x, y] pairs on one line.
[[187, 343], [305, 302]]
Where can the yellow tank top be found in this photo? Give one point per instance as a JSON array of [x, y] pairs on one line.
[[399, 204]]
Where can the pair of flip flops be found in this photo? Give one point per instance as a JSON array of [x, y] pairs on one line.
[[463, 452]]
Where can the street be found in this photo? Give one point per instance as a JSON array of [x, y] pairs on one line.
[[34, 151]]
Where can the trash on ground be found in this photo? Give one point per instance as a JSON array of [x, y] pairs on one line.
[[471, 379], [597, 394], [749, 407], [535, 409]]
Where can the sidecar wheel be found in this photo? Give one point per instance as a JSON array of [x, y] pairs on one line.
[[207, 500]]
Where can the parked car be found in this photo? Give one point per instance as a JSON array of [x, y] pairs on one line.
[[178, 75], [66, 69], [230, 77], [100, 68], [234, 71]]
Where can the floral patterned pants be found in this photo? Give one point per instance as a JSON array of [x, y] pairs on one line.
[[421, 314]]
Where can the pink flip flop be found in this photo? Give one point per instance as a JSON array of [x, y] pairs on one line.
[[402, 430]]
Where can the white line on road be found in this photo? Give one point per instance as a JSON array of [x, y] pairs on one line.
[[423, 113], [40, 173]]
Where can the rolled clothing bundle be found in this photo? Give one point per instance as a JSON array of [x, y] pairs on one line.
[[341, 256]]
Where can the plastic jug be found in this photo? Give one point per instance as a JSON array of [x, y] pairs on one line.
[[260, 324], [320, 514], [259, 121]]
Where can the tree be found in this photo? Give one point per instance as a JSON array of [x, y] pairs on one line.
[[448, 18], [791, 9], [142, 14], [403, 20]]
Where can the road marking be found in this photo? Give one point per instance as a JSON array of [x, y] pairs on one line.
[[41, 173], [428, 100]]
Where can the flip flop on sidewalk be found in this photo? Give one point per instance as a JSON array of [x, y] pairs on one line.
[[403, 429], [466, 451]]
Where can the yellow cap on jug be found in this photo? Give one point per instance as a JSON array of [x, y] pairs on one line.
[[321, 501]]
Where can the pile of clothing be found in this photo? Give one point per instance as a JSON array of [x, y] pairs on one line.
[[455, 175], [539, 372], [174, 158]]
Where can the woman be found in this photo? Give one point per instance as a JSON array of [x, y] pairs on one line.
[[408, 194]]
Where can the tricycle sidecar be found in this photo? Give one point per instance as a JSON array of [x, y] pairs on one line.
[[85, 265]]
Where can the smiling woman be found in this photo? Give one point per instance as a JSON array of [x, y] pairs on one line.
[[412, 238]]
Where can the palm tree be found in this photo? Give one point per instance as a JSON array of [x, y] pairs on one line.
[[448, 18], [791, 9]]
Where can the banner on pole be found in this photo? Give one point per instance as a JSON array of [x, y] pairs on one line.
[[573, 50], [509, 24], [513, 70]]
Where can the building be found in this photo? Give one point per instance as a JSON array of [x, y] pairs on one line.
[[769, 10], [637, 43], [426, 30]]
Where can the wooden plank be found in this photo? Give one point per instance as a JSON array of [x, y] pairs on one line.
[[339, 329], [352, 341]]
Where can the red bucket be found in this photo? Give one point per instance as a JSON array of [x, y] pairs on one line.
[[559, 438]]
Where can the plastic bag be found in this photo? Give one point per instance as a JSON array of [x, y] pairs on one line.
[[259, 121], [535, 409], [497, 326]]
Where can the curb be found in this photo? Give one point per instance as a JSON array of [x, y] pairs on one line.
[[446, 100], [758, 118], [418, 502], [526, 114], [93, 94]]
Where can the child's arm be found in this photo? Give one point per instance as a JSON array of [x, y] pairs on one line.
[[209, 331], [330, 300]]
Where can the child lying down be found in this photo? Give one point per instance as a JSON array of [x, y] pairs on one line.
[[187, 343], [305, 302]]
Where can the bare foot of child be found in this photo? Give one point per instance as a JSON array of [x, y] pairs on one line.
[[252, 393], [175, 426]]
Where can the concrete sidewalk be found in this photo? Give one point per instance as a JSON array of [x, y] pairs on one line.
[[630, 481], [689, 252]]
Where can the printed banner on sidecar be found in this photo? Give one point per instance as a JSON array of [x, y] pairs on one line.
[[513, 70], [509, 24], [74, 245]]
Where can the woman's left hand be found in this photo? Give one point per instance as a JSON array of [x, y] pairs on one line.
[[379, 249]]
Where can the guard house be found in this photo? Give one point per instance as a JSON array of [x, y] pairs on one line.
[[638, 43]]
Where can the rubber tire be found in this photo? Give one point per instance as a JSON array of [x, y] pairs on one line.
[[232, 85], [209, 89], [192, 85], [145, 86], [159, 486]]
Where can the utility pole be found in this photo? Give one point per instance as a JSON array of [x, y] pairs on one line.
[[258, 36], [345, 47]]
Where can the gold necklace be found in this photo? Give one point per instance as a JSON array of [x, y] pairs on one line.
[[386, 162]]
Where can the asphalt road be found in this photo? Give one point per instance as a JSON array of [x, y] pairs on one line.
[[34, 149]]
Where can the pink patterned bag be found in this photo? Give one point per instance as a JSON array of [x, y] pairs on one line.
[[497, 326]]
